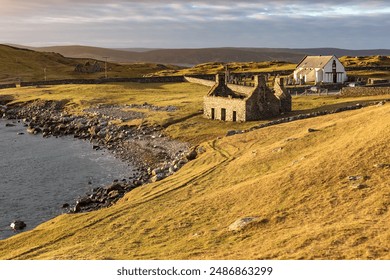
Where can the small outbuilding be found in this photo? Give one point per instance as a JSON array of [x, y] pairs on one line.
[[320, 69]]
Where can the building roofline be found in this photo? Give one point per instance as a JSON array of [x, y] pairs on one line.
[[330, 57]]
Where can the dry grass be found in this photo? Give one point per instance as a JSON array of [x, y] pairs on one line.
[[186, 124], [367, 61], [296, 180], [237, 67], [359, 61], [28, 65]]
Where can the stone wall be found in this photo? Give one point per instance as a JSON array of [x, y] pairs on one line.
[[229, 104], [210, 83], [262, 102], [364, 91], [204, 82], [241, 89], [162, 79], [7, 86], [283, 95]]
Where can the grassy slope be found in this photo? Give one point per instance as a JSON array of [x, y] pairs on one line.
[[185, 96], [29, 66], [237, 67], [367, 61], [268, 66], [186, 124], [302, 189]]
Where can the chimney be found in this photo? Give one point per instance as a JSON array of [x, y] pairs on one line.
[[220, 79]]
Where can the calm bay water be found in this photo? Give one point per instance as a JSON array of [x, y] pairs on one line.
[[38, 175]]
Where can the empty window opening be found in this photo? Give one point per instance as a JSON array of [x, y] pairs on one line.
[[223, 114]]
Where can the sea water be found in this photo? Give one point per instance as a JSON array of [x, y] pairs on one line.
[[39, 175]]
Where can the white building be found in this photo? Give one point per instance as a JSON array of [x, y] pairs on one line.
[[316, 69]]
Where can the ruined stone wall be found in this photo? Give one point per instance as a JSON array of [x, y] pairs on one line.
[[7, 86], [162, 79], [262, 104], [260, 101], [204, 82], [283, 95], [210, 83], [229, 104], [241, 89], [364, 91]]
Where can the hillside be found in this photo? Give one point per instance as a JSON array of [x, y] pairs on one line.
[[366, 61], [27, 65], [191, 57], [318, 195], [377, 66], [236, 67]]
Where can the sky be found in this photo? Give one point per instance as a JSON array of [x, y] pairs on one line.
[[197, 24]]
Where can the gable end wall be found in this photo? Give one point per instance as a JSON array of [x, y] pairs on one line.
[[230, 104]]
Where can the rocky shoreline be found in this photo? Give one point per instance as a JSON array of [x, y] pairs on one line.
[[153, 155]]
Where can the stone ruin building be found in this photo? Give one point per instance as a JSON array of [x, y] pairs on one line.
[[230, 102], [89, 68]]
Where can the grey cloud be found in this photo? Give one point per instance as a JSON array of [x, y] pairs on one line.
[[196, 23]]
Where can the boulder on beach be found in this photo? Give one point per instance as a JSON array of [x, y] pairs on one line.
[[18, 225]]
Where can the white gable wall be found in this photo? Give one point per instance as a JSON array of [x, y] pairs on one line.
[[328, 74], [322, 74]]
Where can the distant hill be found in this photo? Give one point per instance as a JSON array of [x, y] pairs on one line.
[[18, 63], [190, 57]]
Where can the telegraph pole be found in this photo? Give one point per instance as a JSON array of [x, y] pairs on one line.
[[105, 66]]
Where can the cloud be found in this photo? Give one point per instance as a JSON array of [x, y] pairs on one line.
[[187, 10], [195, 23]]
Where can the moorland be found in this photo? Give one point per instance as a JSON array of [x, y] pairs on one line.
[[314, 188]]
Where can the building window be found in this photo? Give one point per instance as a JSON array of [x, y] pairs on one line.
[[223, 114], [213, 113], [234, 116]]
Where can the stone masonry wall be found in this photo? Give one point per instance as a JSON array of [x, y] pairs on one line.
[[364, 91], [7, 86], [237, 88], [241, 89], [162, 79], [200, 81], [283, 95], [230, 104]]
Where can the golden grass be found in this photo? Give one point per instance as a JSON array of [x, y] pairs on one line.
[[294, 179], [377, 60], [28, 65], [367, 61], [369, 74], [237, 67], [186, 124]]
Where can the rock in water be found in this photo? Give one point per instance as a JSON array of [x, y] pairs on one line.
[[18, 225]]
